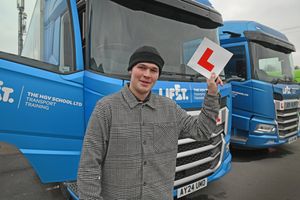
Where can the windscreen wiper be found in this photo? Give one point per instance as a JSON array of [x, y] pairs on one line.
[[176, 73], [234, 78], [193, 77], [222, 76], [282, 80]]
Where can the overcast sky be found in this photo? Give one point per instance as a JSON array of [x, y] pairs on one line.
[[9, 23], [282, 15]]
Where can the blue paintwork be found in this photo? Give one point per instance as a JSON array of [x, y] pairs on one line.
[[243, 25], [205, 2], [50, 136]]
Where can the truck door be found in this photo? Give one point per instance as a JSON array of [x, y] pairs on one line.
[[41, 92], [239, 68]]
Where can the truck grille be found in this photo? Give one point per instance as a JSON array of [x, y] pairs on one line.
[[195, 159], [198, 159], [287, 116]]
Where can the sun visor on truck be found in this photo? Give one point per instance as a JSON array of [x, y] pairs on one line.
[[270, 41], [187, 11]]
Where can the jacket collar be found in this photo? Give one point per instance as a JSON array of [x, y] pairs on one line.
[[132, 100]]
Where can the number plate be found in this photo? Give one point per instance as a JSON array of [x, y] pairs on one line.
[[293, 139], [193, 187]]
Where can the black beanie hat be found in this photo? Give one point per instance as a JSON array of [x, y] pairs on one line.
[[146, 54]]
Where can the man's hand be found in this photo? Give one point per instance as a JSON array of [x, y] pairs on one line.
[[212, 84]]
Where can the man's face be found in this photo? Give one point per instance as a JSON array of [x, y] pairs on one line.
[[143, 78]]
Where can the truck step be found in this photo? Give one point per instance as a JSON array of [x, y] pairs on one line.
[[72, 186], [239, 139]]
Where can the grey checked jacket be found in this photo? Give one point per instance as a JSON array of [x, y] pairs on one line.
[[129, 150]]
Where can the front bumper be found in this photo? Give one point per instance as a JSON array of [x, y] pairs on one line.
[[263, 141]]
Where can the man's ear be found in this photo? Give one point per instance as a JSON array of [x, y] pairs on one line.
[[130, 72]]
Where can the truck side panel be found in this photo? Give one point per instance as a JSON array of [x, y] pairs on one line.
[[42, 114]]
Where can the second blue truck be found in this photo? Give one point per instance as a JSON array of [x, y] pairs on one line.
[[264, 94]]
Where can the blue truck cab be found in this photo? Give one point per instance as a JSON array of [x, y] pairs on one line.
[[77, 52], [265, 98]]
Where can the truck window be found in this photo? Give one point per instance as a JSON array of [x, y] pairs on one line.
[[237, 64], [47, 36], [271, 65], [111, 46]]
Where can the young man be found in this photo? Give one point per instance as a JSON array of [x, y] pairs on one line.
[[130, 146]]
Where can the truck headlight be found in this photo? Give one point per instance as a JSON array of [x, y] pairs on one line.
[[265, 128]]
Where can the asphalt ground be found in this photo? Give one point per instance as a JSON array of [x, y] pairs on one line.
[[265, 174], [18, 181]]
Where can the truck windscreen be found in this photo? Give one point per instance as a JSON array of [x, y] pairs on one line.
[[116, 30], [271, 65]]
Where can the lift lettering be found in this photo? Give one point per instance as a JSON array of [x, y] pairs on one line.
[[5, 93], [177, 92]]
